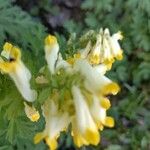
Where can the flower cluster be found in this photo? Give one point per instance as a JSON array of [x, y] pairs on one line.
[[84, 103], [106, 48], [80, 98]]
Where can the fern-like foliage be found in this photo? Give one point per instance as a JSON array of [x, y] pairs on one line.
[[14, 123], [17, 26]]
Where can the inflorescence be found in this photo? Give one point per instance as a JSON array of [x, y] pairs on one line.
[[82, 81]]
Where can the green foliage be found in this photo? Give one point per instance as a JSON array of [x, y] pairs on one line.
[[14, 124], [18, 27], [130, 109]]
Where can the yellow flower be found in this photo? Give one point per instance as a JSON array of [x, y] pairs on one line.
[[11, 63], [73, 59], [98, 110], [51, 52], [107, 56], [94, 81], [110, 88], [52, 55], [55, 123], [50, 40], [12, 54], [89, 118], [84, 103], [116, 49], [87, 132], [78, 139], [112, 47], [105, 50], [31, 113], [95, 54]]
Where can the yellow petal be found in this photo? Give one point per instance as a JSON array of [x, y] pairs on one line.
[[38, 137], [111, 88], [119, 56], [7, 46], [70, 61], [11, 51], [77, 56], [92, 136], [105, 103], [108, 64], [52, 143], [15, 53], [12, 54], [7, 67], [94, 59], [50, 40], [31, 113], [99, 125], [109, 122], [120, 35], [35, 117], [79, 140]]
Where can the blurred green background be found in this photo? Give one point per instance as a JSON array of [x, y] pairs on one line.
[[26, 23]]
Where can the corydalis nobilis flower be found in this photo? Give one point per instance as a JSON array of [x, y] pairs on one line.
[[56, 121], [31, 112], [11, 63], [80, 98], [52, 55], [105, 49]]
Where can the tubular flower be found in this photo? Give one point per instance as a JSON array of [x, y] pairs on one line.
[[107, 54], [84, 121], [105, 50], [31, 113], [52, 55], [96, 82], [81, 101], [11, 63], [116, 49], [55, 123], [95, 54], [90, 117], [112, 48], [98, 111], [51, 52]]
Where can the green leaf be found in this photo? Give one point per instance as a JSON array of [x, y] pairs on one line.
[[44, 94]]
